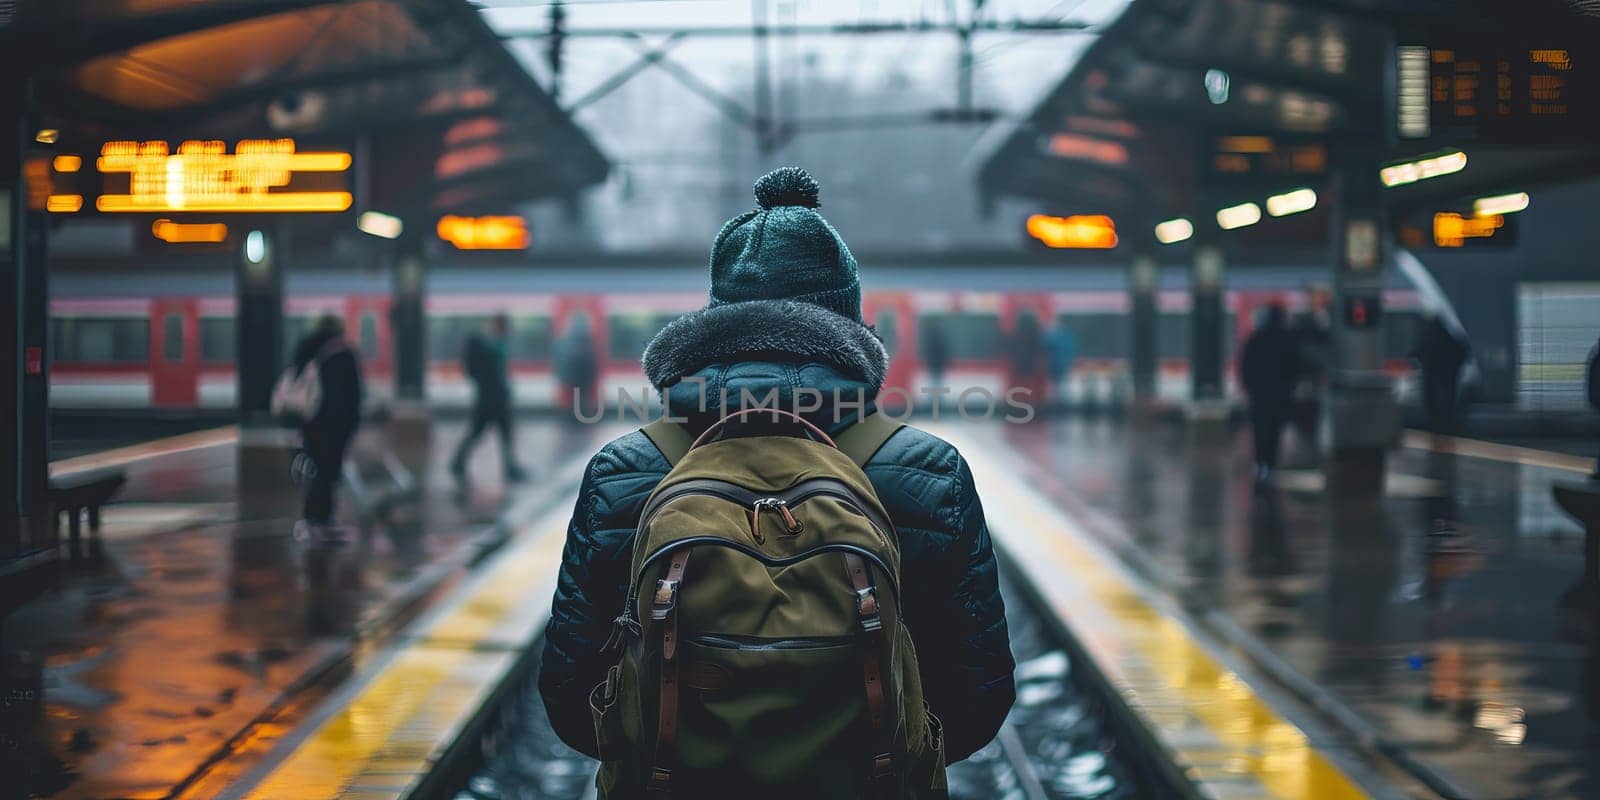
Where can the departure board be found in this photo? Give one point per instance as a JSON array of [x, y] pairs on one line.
[[1515, 91]]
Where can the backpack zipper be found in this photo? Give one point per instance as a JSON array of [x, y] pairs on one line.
[[754, 644], [792, 496]]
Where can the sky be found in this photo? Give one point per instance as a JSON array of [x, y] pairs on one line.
[[669, 143]]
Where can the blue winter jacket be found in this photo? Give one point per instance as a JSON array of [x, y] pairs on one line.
[[951, 596]]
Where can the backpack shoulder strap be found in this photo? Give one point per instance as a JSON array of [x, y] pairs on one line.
[[670, 438], [862, 440]]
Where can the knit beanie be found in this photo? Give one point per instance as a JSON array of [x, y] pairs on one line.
[[785, 250]]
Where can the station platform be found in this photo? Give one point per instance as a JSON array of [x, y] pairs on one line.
[[1180, 631]]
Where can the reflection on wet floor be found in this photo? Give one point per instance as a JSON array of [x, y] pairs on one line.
[[1057, 734], [1432, 615]]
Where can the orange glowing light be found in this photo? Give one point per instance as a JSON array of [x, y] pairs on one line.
[[1453, 230], [1245, 144], [67, 163], [1072, 145], [185, 233], [1078, 232], [64, 203], [484, 233], [203, 176]]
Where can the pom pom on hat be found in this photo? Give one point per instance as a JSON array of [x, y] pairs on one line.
[[787, 186]]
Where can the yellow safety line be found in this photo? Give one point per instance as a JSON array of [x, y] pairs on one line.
[[416, 704], [1150, 654], [1510, 453], [116, 457]]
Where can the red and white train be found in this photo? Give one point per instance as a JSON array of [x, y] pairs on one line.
[[168, 340]]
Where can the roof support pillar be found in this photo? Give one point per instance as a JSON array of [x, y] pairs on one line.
[[25, 520]]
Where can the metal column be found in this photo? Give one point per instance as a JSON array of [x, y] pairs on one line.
[[1206, 317], [259, 285], [1363, 419], [24, 400], [1143, 283], [411, 424]]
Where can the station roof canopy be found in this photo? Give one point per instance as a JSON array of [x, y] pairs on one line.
[[419, 81], [1133, 125]]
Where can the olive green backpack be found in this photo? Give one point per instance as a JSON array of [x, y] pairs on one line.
[[762, 650]]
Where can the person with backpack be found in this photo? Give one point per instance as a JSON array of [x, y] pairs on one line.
[[483, 359], [321, 392], [1593, 375], [741, 587]]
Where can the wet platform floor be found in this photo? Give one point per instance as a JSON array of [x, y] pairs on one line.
[[204, 625], [1424, 625]]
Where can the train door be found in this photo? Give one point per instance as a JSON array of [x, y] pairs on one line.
[[893, 318], [174, 352], [366, 322]]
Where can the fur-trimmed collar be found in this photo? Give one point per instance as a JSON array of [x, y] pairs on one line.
[[781, 330]]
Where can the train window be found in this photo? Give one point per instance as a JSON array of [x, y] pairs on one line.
[[217, 342], [630, 332], [530, 338], [1172, 335], [101, 339], [972, 335], [172, 338], [1099, 335], [368, 341], [447, 335]]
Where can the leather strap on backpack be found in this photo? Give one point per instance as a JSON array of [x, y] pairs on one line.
[[862, 440], [670, 438], [664, 612], [869, 613]]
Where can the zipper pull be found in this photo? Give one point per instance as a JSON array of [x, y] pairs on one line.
[[623, 629], [791, 524], [755, 523]]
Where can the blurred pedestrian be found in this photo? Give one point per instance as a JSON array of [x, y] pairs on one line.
[[323, 388], [484, 361], [1441, 351], [935, 346], [1268, 367], [577, 368], [1314, 348], [1063, 351], [1594, 393]]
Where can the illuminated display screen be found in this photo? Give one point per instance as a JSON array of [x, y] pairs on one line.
[[259, 176], [1494, 90], [1268, 158]]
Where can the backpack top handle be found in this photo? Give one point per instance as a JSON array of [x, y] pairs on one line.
[[811, 430]]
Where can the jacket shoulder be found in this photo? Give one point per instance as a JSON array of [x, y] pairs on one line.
[[912, 448]]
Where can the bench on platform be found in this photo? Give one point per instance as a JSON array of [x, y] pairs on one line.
[[1582, 501], [81, 494]]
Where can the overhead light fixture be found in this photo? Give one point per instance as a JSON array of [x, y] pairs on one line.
[[64, 203], [189, 233], [255, 247], [1217, 86], [1282, 205], [1500, 204], [1077, 232], [47, 136], [1174, 230], [67, 163], [377, 223], [1422, 169], [1238, 216], [484, 233]]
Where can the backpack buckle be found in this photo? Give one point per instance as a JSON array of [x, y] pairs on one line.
[[867, 608], [665, 600], [882, 766]]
